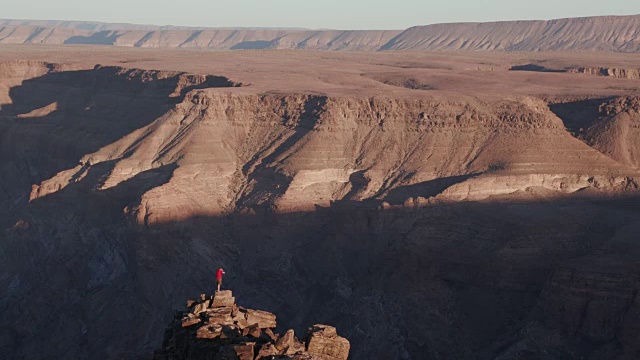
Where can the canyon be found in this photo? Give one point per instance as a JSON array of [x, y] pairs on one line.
[[470, 205], [600, 33]]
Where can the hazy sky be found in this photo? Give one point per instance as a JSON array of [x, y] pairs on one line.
[[337, 14]]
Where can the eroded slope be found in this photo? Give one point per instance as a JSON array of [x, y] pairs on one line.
[[239, 152], [603, 33], [52, 117], [424, 226], [609, 125]]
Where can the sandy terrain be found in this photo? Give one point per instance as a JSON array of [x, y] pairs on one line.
[[478, 74]]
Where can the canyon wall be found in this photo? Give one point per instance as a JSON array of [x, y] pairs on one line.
[[604, 33], [421, 228], [617, 73]]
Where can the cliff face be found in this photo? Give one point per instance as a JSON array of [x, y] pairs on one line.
[[420, 227], [216, 328], [617, 132], [605, 33], [617, 73], [218, 39], [315, 150], [68, 113], [611, 126]]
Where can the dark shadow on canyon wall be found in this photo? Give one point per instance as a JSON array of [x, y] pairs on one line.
[[40, 128], [579, 115], [253, 45], [273, 182], [535, 68], [424, 189], [557, 279], [98, 38]]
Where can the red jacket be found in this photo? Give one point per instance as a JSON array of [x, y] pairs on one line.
[[219, 274]]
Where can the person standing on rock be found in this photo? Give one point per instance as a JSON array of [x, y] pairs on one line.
[[219, 277]]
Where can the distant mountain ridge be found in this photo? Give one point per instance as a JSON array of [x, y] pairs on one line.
[[603, 33]]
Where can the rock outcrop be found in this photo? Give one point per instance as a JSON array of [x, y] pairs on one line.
[[618, 73], [234, 140], [216, 328]]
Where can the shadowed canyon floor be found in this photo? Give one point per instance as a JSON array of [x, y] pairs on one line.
[[428, 205]]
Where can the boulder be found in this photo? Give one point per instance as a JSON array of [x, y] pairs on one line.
[[324, 330], [297, 347], [244, 351], [324, 342], [264, 319], [223, 298], [209, 332], [242, 323], [268, 335], [220, 315], [201, 307], [190, 320], [238, 317], [285, 342], [191, 302], [266, 351], [253, 331]]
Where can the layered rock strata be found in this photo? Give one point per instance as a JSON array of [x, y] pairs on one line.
[[618, 73], [617, 131], [225, 151], [219, 329], [602, 33]]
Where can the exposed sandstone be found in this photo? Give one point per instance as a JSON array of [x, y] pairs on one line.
[[324, 342], [190, 319], [617, 73], [285, 342], [262, 319], [223, 299], [201, 307], [232, 141], [219, 338]]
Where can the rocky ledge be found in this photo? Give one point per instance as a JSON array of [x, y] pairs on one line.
[[215, 328]]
